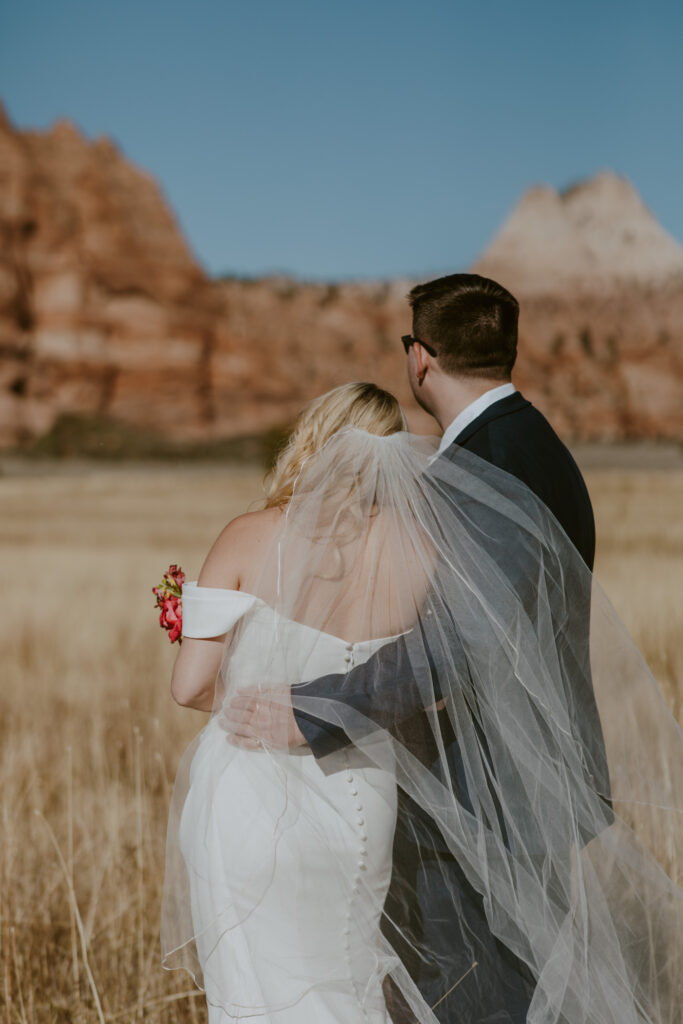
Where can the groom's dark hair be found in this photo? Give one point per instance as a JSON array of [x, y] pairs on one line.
[[471, 321]]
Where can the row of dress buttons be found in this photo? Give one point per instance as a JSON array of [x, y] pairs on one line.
[[360, 820], [348, 658], [363, 836]]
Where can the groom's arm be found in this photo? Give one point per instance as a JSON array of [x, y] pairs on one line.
[[389, 692], [364, 689], [400, 680]]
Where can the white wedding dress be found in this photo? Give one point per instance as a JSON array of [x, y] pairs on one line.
[[288, 866]]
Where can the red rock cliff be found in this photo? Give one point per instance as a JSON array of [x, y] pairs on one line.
[[104, 310]]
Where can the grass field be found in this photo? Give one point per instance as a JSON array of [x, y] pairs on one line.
[[89, 736]]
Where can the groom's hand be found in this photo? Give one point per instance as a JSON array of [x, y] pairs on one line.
[[253, 720]]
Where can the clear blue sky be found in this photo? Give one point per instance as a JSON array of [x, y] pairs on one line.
[[346, 139]]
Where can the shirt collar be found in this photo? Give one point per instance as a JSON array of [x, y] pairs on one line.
[[470, 413]]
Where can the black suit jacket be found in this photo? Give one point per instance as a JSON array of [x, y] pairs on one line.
[[514, 436]]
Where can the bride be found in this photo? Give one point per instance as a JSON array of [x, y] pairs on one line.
[[454, 581], [275, 849]]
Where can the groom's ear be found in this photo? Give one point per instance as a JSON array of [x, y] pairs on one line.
[[421, 362]]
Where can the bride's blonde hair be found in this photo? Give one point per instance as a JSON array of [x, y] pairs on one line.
[[361, 405]]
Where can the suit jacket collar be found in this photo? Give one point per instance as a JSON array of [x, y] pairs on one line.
[[503, 407]]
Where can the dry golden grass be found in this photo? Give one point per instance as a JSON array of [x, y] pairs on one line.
[[90, 737], [640, 564]]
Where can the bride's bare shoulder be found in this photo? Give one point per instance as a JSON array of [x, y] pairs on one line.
[[251, 528], [238, 546]]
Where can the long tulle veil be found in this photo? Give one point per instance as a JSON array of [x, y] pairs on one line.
[[531, 748]]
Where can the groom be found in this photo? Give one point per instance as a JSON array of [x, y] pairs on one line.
[[460, 356]]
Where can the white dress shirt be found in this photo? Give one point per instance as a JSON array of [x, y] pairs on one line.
[[471, 411]]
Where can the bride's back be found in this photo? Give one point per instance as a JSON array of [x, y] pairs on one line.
[[359, 582], [337, 547]]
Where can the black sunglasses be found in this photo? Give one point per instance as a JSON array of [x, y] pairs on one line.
[[409, 340]]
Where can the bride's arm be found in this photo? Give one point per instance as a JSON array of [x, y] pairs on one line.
[[236, 550], [194, 674], [196, 668]]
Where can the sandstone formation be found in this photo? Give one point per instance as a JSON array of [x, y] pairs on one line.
[[104, 310], [600, 285], [593, 236]]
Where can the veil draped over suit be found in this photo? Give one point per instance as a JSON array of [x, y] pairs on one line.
[[501, 702]]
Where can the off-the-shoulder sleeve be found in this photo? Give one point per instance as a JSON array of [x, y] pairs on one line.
[[212, 611]]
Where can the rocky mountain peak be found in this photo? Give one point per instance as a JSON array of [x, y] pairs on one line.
[[604, 188], [66, 130], [593, 234]]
